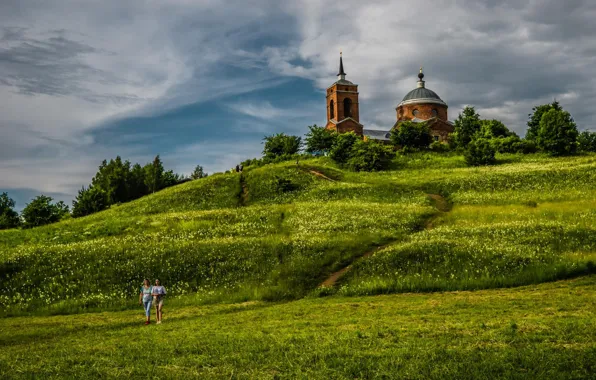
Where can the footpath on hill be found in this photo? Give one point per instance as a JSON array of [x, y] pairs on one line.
[[440, 203]]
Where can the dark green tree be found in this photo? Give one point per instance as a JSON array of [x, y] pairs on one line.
[[112, 178], [319, 139], [9, 218], [198, 173], [480, 152], [586, 141], [154, 173], [41, 211], [280, 144], [136, 182], [170, 179], [467, 125], [412, 135], [536, 116], [558, 133], [89, 201], [369, 156], [342, 147]]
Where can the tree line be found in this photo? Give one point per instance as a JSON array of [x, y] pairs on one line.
[[551, 130], [116, 181]]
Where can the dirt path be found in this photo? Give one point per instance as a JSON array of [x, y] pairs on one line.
[[244, 193], [441, 205]]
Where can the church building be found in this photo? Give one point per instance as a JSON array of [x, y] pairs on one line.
[[419, 105]]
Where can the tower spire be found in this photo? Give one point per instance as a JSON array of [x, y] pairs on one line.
[[420, 78], [341, 75]]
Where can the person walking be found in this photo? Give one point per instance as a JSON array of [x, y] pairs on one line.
[[145, 298], [159, 293]]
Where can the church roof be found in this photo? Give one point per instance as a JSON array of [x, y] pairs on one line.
[[421, 94], [374, 134]]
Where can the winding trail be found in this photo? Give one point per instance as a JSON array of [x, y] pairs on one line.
[[440, 203]]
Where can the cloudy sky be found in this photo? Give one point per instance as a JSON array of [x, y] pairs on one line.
[[202, 81]]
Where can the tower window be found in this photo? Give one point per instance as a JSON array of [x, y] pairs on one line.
[[347, 107], [415, 112], [434, 112], [331, 110]]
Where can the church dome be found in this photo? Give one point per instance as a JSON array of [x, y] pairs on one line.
[[421, 94]]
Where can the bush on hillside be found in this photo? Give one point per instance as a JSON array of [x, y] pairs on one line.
[[494, 129], [558, 133], [439, 147], [89, 201], [586, 141], [319, 139], [281, 145], [412, 135], [342, 147], [9, 218], [369, 156], [198, 173], [42, 211], [480, 152]]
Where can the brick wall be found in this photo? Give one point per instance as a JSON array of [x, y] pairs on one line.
[[405, 112]]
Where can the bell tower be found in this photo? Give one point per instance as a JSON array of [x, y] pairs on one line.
[[342, 104]]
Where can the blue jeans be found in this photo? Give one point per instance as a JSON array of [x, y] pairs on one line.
[[147, 305]]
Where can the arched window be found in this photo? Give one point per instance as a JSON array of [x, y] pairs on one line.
[[331, 110], [347, 107]]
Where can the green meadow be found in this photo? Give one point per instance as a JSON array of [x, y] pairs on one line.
[[453, 271]]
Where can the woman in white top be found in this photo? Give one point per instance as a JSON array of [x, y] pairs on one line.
[[159, 292]]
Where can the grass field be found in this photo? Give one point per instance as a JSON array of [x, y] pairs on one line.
[[546, 331], [495, 265]]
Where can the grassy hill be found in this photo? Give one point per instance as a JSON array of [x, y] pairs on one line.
[[495, 266], [277, 232]]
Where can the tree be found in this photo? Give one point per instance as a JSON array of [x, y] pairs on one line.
[[280, 144], [319, 139], [112, 177], [536, 116], [41, 211], [494, 128], [467, 125], [170, 179], [154, 175], [412, 135], [369, 156], [136, 183], [558, 133], [9, 218], [480, 152], [586, 141], [198, 173], [89, 201], [341, 149]]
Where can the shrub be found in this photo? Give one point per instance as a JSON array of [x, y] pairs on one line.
[[438, 146], [341, 149], [41, 211], [505, 144], [89, 201], [480, 152], [411, 135], [558, 133], [369, 156], [536, 116], [281, 145], [494, 128], [319, 139], [586, 141]]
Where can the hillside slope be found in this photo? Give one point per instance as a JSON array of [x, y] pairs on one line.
[[278, 231]]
